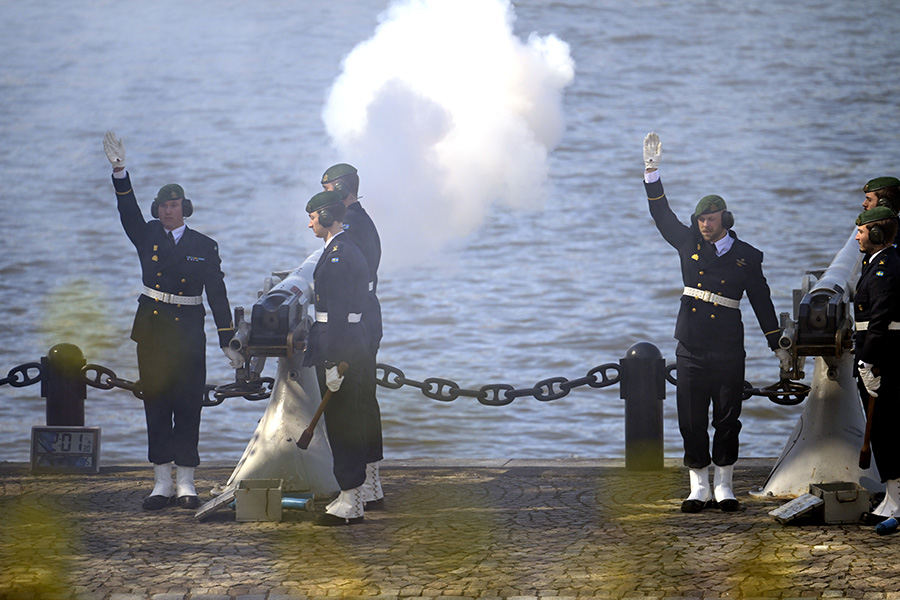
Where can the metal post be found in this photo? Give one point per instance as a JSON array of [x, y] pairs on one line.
[[643, 387], [62, 385]]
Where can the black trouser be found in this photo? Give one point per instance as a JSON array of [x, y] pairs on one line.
[[371, 413], [343, 422], [885, 451], [701, 382], [173, 380]]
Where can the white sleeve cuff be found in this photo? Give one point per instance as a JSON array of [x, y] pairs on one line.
[[120, 174], [651, 177]]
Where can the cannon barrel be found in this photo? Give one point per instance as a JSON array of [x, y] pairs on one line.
[[823, 324]]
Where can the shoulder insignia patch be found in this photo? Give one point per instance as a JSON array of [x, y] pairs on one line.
[[335, 259], [879, 273], [695, 256]]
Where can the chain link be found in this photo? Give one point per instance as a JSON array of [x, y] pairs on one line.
[[496, 394], [12, 378]]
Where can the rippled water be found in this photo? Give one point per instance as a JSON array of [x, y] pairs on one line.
[[786, 109]]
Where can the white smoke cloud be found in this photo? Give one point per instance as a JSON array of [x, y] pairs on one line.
[[445, 112]]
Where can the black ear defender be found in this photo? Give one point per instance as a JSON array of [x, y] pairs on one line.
[[341, 188], [187, 208], [876, 234], [727, 219], [326, 219]]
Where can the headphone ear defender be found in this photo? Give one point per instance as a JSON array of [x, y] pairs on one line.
[[341, 189], [326, 219], [727, 219], [876, 235], [187, 208]]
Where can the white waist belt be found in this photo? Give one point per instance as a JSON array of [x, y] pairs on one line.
[[708, 296], [322, 317], [864, 326], [172, 298]]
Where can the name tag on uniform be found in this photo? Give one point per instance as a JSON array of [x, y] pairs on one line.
[[195, 258]]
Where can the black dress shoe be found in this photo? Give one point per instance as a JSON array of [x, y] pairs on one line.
[[692, 506], [729, 505], [157, 502], [188, 501], [374, 504], [329, 520]]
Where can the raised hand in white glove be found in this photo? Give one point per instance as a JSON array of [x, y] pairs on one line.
[[115, 149], [652, 151], [234, 357], [333, 379], [870, 380], [784, 357]]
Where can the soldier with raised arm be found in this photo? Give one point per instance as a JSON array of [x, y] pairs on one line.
[[717, 269]]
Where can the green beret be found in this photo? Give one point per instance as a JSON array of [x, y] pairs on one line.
[[880, 183], [170, 191], [709, 204], [879, 213], [338, 170], [323, 199]]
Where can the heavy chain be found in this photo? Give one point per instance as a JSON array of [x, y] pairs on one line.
[[784, 392], [545, 390]]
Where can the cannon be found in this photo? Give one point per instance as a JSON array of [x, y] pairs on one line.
[[278, 326], [825, 443]]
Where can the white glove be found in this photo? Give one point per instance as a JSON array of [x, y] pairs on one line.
[[870, 380], [333, 379], [784, 357], [234, 357], [115, 150], [652, 151]]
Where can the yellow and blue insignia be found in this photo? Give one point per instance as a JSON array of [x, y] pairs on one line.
[[195, 258], [695, 256], [335, 259], [879, 273]]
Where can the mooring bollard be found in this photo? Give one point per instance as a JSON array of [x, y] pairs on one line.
[[62, 385], [642, 382]]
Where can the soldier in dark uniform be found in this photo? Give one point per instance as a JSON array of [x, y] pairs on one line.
[[716, 268], [177, 264], [344, 179], [338, 335], [882, 191], [877, 344]]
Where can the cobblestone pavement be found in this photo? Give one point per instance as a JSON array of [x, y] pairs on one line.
[[492, 529]]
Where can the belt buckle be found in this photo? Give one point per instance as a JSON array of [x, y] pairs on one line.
[[705, 295]]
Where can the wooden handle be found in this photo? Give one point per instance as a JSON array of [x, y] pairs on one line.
[[306, 436]]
